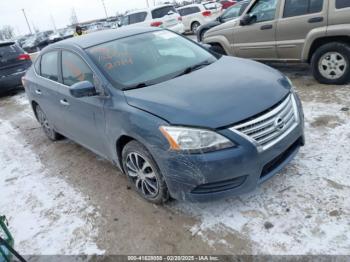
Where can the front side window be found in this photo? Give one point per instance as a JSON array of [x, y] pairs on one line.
[[49, 68], [264, 10], [232, 12], [147, 58], [342, 4], [163, 11], [302, 7], [74, 69], [137, 18]]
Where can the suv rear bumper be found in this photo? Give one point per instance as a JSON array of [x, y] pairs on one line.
[[11, 82]]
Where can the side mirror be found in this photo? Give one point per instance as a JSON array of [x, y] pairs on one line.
[[82, 89], [219, 19], [247, 19]]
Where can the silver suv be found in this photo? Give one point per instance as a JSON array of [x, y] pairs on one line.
[[312, 31]]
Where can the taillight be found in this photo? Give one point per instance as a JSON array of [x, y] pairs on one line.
[[179, 18], [206, 13], [23, 57], [156, 24]]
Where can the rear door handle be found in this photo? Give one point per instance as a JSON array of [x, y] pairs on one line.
[[316, 20], [64, 102], [266, 27], [38, 92]]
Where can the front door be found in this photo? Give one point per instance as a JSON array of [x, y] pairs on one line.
[[257, 40], [83, 117], [298, 19]]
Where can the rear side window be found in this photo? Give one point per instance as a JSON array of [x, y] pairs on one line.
[[74, 69], [189, 11], [137, 18], [302, 7], [342, 4], [163, 11], [49, 68]]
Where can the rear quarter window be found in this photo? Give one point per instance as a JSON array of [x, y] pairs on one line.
[[137, 18], [163, 11], [339, 4], [49, 67]]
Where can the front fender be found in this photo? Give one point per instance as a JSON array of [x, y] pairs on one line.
[[219, 39]]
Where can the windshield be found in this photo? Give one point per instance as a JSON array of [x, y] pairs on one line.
[[148, 58]]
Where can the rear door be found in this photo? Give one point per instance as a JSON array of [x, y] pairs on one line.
[[47, 88], [83, 118], [13, 60], [258, 39], [298, 19]]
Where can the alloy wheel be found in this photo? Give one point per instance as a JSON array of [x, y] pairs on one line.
[[44, 122], [332, 65], [142, 175]]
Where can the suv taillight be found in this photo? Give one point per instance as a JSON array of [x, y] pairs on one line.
[[206, 13], [23, 57], [156, 24]]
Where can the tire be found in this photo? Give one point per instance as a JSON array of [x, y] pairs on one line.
[[45, 124], [218, 49], [331, 64], [143, 173], [201, 34], [195, 26]]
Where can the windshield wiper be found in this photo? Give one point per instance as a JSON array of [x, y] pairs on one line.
[[139, 85], [194, 68]]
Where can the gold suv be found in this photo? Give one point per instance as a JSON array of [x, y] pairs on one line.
[[312, 31]]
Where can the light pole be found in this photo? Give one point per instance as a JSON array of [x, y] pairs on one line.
[[24, 13], [104, 7], [147, 3]]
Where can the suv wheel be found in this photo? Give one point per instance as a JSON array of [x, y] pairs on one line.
[[194, 27], [330, 64], [143, 173], [218, 49], [45, 124]]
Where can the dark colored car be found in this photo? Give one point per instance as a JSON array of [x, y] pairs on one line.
[[231, 13], [178, 120], [14, 62]]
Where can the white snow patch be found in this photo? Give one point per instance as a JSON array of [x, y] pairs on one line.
[[46, 215], [308, 203]]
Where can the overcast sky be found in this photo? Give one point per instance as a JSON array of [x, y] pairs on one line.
[[39, 11]]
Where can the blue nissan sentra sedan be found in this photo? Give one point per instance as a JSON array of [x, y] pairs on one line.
[[179, 120]]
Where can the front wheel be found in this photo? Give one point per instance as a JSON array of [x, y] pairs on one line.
[[144, 174], [330, 64]]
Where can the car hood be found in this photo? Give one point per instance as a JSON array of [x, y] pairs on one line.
[[221, 94]]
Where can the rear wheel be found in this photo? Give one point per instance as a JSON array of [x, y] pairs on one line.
[[330, 63], [45, 124], [195, 26], [143, 173]]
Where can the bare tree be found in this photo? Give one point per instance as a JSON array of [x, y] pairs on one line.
[[7, 32]]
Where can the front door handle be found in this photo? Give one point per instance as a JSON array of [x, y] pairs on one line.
[[266, 27], [38, 92], [64, 102], [315, 20]]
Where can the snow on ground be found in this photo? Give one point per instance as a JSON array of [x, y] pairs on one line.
[[46, 215], [303, 210]]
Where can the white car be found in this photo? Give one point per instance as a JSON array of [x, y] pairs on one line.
[[164, 16], [195, 15]]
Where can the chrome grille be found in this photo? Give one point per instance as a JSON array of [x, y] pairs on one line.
[[268, 129]]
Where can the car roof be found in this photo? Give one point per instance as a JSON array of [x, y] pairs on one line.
[[100, 37], [148, 9]]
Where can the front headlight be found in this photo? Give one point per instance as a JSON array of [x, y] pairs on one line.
[[194, 140]]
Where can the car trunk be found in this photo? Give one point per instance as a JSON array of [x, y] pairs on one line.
[[11, 60]]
